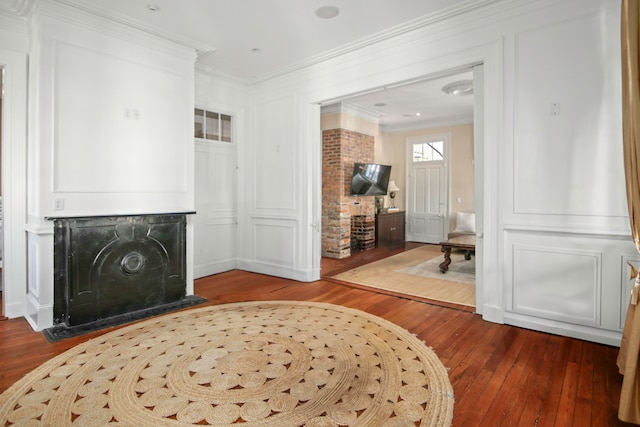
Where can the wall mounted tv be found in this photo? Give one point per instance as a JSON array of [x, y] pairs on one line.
[[370, 179]]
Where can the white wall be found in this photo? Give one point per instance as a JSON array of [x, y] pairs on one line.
[[553, 191], [565, 226], [110, 132], [14, 43], [281, 189]]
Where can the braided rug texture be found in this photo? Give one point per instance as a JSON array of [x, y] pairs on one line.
[[275, 364]]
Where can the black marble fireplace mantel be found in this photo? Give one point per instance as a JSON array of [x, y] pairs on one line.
[[62, 217], [111, 265]]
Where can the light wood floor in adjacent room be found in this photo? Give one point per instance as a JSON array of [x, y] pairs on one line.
[[501, 375]]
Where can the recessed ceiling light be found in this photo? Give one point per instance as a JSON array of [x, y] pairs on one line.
[[461, 87], [153, 7], [418, 114], [379, 104], [327, 12]]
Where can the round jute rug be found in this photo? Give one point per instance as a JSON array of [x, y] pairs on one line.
[[275, 364]]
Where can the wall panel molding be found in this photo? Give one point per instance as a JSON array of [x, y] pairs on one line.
[[557, 128], [275, 242], [116, 146], [573, 284], [274, 164], [557, 284]]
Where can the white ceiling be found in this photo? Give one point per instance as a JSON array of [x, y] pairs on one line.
[[422, 104], [289, 35]]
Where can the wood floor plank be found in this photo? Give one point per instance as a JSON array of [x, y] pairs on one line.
[[469, 374], [539, 386], [512, 382], [520, 393], [584, 393], [551, 404], [499, 373], [599, 415]]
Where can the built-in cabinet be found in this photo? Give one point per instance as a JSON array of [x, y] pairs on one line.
[[390, 229]]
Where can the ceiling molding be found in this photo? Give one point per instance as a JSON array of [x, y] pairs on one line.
[[407, 27], [200, 48], [428, 124], [352, 110], [59, 10], [16, 7], [203, 49], [208, 69]]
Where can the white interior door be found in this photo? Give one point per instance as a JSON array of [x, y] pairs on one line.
[[428, 184], [215, 229]]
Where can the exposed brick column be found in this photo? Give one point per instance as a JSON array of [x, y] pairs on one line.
[[342, 148]]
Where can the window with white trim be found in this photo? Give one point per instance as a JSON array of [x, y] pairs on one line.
[[212, 126], [428, 152]]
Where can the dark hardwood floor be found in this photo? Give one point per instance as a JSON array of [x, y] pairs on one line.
[[501, 375]]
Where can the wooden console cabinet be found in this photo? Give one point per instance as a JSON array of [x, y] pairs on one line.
[[390, 229]]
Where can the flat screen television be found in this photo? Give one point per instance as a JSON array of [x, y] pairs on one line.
[[370, 179]]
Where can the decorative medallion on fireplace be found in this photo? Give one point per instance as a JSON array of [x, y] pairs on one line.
[[109, 266]]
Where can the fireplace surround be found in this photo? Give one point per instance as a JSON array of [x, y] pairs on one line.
[[107, 266]]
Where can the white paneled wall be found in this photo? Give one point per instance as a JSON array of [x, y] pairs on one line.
[[565, 214], [110, 133], [567, 118], [568, 280], [274, 168], [555, 227]]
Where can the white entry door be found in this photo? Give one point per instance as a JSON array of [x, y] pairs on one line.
[[428, 183]]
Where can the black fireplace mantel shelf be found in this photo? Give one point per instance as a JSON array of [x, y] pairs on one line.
[[57, 217]]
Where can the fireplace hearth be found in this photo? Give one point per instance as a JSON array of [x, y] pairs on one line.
[[110, 266]]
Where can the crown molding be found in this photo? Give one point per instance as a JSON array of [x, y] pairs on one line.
[[209, 70], [416, 24], [200, 48], [428, 124], [60, 11], [352, 110], [14, 15], [14, 23], [16, 7]]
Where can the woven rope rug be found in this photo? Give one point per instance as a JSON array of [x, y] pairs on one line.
[[405, 273], [275, 364]]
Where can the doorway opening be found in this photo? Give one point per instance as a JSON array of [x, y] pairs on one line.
[[411, 110]]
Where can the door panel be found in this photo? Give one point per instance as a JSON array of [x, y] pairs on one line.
[[427, 202], [215, 223]]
